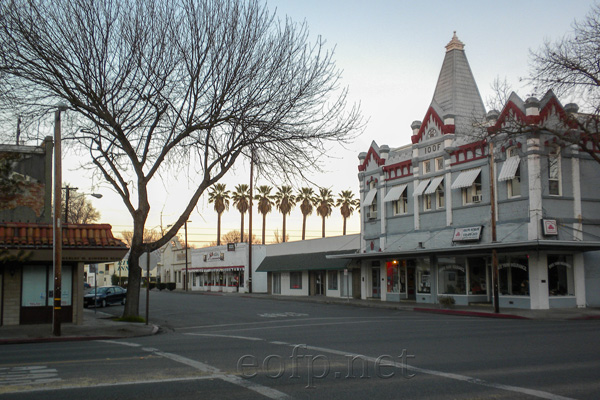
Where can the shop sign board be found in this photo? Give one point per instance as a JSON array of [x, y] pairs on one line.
[[550, 227], [472, 233]]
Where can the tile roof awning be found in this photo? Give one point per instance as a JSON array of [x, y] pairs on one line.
[[369, 198], [303, 262], [509, 169], [466, 178], [80, 242], [435, 182], [422, 185], [394, 193]]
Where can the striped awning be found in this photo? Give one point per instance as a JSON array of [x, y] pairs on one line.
[[394, 193], [422, 185], [369, 198], [466, 178], [509, 169], [435, 182]]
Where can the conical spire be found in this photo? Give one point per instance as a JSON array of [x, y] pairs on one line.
[[456, 92]]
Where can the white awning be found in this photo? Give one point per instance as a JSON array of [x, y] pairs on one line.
[[369, 198], [394, 193], [435, 182], [422, 185], [509, 168], [466, 178]]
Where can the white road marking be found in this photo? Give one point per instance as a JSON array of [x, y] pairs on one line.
[[463, 378], [218, 374], [30, 375]]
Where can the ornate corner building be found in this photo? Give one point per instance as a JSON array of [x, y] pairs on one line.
[[471, 182]]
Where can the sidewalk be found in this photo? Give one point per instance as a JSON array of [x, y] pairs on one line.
[[95, 326], [484, 310]]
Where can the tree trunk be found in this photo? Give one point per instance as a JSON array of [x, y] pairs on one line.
[[323, 226], [264, 228], [219, 229], [303, 226], [132, 304], [242, 229], [283, 238], [344, 226]]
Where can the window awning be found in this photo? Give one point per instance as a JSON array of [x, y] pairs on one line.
[[422, 185], [394, 193], [466, 178], [435, 182], [369, 198], [509, 169]]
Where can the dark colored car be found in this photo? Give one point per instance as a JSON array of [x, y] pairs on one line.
[[104, 296]]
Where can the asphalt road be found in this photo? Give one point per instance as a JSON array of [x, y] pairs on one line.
[[235, 347]]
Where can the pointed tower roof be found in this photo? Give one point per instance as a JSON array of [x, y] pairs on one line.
[[456, 92]]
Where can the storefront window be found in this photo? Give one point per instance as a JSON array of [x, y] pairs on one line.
[[423, 276], [393, 277], [560, 276], [332, 280], [477, 280], [513, 276], [38, 286], [451, 276], [295, 280]]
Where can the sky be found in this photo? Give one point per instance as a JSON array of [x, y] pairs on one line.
[[391, 54]]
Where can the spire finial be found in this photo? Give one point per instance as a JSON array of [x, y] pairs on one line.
[[455, 44]]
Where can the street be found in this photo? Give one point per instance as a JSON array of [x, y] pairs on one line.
[[237, 347]]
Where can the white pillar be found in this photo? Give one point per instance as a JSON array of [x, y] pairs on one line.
[[448, 193], [579, 277], [538, 281], [576, 180], [535, 189]]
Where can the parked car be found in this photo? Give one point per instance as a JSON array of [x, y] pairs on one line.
[[105, 295]]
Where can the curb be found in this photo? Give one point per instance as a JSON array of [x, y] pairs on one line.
[[468, 313]]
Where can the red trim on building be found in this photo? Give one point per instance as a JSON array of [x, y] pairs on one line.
[[471, 147], [371, 153], [398, 167]]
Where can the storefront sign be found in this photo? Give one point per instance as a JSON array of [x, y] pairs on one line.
[[230, 246], [215, 256], [467, 234], [550, 227]]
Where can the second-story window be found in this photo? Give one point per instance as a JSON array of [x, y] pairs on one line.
[[427, 202], [426, 167], [513, 185], [401, 205], [554, 171], [439, 196], [439, 163], [472, 194]]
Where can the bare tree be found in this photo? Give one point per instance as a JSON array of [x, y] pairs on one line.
[[156, 85], [81, 211], [570, 67]]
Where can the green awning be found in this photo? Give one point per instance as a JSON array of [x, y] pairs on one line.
[[304, 262]]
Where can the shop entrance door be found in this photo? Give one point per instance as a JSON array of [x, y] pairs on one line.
[[410, 283], [376, 278], [276, 283]]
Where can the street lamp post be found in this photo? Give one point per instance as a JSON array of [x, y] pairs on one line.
[[67, 190], [186, 257], [56, 223]]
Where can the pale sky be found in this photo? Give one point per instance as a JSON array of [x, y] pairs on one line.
[[391, 53]]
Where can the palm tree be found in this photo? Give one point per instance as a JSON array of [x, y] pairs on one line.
[[265, 204], [285, 201], [220, 197], [241, 201], [324, 204], [347, 204], [305, 198]]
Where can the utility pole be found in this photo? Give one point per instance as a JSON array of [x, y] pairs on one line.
[[56, 224], [250, 224], [186, 258], [493, 212]]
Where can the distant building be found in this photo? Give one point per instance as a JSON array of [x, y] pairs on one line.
[[426, 220], [26, 242]]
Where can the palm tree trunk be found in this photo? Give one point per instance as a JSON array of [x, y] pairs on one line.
[[283, 238], [344, 226], [242, 229], [323, 226], [303, 226], [264, 228], [219, 230]]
